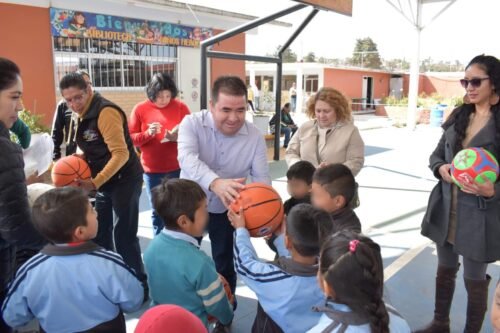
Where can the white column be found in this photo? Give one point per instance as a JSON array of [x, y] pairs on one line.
[[414, 73], [251, 75], [300, 90]]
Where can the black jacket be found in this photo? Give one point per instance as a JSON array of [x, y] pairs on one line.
[[90, 140], [346, 219], [292, 202], [16, 229]]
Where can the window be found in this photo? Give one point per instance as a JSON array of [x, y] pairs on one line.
[[311, 83], [113, 64], [268, 83], [106, 73]]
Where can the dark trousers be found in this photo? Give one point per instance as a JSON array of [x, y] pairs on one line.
[[289, 132], [221, 233], [151, 180], [4, 328], [263, 323], [251, 105], [473, 270], [122, 201]]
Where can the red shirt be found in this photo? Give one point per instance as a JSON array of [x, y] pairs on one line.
[[156, 157]]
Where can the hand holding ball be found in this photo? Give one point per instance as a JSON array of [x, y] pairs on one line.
[[67, 169], [262, 208], [474, 165]]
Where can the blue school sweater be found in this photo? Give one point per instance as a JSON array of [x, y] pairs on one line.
[[180, 273], [72, 289], [286, 290]]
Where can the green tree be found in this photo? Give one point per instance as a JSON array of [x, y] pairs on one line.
[[310, 57], [429, 65], [396, 64], [288, 54], [366, 54]]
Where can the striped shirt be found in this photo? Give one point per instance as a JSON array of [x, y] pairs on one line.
[[72, 289], [286, 290], [180, 273]]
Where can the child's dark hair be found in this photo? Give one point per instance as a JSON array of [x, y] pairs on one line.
[[176, 197], [307, 227], [302, 170], [58, 212], [336, 179], [351, 264]]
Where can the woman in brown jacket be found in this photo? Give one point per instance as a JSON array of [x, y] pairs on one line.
[[330, 136]]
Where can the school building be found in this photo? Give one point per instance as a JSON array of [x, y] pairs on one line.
[[364, 87], [120, 43]]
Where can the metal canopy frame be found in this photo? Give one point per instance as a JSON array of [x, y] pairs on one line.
[[415, 20], [206, 53]]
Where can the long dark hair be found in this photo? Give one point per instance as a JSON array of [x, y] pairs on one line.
[[460, 116], [351, 264], [8, 73]]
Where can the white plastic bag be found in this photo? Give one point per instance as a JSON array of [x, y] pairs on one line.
[[38, 156]]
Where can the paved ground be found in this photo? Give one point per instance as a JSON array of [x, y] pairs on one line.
[[394, 188]]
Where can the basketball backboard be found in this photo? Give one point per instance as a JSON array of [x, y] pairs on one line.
[[339, 6]]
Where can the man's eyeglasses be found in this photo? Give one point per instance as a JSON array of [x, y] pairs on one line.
[[77, 99], [474, 83]]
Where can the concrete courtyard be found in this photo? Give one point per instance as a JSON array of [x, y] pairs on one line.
[[394, 188]]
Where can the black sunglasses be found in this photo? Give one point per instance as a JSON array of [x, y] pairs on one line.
[[474, 83]]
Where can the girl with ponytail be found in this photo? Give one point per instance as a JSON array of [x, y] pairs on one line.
[[351, 276]]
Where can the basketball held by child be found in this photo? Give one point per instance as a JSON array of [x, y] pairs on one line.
[[262, 208], [474, 165], [67, 169]]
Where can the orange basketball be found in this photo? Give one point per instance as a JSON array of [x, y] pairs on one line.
[[262, 208], [69, 168], [229, 295]]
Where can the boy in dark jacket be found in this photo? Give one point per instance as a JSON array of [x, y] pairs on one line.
[[333, 188]]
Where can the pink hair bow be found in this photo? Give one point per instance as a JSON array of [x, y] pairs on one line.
[[352, 245]]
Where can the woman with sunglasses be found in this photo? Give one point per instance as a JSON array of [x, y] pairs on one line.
[[466, 222]]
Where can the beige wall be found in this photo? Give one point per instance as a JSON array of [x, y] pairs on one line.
[[124, 99]]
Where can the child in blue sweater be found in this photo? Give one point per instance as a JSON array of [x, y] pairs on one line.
[[351, 275], [178, 271], [287, 288], [72, 285]]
